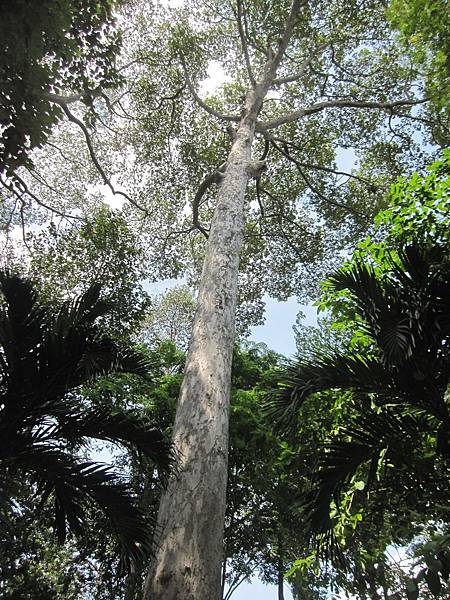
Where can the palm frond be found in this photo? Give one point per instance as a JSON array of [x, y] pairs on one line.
[[406, 310], [373, 436], [75, 485], [44, 359], [124, 427], [323, 372]]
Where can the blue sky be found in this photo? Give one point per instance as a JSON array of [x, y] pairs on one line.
[[277, 330], [258, 591]]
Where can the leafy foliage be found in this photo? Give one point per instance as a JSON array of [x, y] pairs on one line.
[[170, 318], [424, 30], [400, 381], [49, 47], [44, 419], [388, 453], [264, 531], [33, 564], [307, 207], [65, 261]]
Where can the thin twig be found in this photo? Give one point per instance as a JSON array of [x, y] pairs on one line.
[[38, 201], [201, 103], [313, 188], [97, 164]]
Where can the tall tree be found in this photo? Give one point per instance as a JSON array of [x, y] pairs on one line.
[[308, 79], [296, 39]]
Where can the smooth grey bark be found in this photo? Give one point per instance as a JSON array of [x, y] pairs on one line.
[[187, 563], [188, 560]]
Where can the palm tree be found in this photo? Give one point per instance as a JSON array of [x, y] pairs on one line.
[[398, 382], [45, 356]]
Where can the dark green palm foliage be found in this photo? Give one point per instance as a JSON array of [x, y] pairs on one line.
[[373, 440], [404, 373], [45, 356]]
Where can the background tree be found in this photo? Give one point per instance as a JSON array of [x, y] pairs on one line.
[[66, 259], [422, 29], [49, 48], [390, 456], [170, 318]]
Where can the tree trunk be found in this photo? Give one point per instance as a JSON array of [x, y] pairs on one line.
[[187, 565], [130, 586], [280, 579], [223, 577]]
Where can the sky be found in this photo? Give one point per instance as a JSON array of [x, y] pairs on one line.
[[277, 330], [256, 590]]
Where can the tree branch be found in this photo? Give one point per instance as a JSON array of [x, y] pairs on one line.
[[244, 43], [281, 216], [305, 64], [274, 62], [342, 103], [288, 30], [201, 103], [64, 100], [25, 190], [311, 166], [258, 198], [41, 180], [61, 152], [404, 139], [214, 177], [313, 188], [94, 158], [22, 221], [240, 579], [248, 37]]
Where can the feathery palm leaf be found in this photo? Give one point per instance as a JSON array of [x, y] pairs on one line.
[[411, 328], [406, 373], [124, 427], [303, 378], [375, 438], [45, 356]]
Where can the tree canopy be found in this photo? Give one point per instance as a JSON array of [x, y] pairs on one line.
[[48, 48], [271, 172]]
